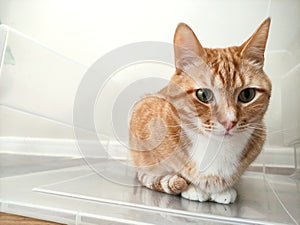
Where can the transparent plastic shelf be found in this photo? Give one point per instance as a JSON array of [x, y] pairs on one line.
[[49, 177]]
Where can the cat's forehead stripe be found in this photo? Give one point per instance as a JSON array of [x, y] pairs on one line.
[[224, 65]]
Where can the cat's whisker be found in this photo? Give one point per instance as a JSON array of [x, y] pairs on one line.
[[255, 134], [180, 125], [255, 128], [252, 125], [283, 131]]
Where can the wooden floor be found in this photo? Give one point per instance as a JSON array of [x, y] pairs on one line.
[[9, 219]]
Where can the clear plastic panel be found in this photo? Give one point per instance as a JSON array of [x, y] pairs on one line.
[[258, 201], [35, 81]]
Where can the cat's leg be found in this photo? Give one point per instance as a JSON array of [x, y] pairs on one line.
[[195, 194], [224, 197], [171, 184]]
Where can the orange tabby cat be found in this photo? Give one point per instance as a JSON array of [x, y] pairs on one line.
[[198, 135]]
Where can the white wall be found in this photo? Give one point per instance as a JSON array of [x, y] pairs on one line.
[[84, 30]]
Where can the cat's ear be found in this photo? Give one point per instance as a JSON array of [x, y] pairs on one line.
[[254, 48], [187, 48]]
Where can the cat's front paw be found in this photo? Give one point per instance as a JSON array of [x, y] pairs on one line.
[[225, 197], [195, 194]]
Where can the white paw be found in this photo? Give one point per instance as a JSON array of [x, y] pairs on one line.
[[224, 197], [195, 194]]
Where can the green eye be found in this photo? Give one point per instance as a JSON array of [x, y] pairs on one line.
[[247, 95], [205, 95]]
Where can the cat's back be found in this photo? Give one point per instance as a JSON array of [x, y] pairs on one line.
[[154, 128], [151, 110]]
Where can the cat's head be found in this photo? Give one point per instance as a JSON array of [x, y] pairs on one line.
[[228, 86]]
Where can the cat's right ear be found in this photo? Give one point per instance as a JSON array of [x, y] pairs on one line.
[[254, 48], [187, 48]]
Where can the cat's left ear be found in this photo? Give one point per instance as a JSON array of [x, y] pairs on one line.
[[254, 48]]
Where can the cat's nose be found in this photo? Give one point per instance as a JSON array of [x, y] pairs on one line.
[[229, 124]]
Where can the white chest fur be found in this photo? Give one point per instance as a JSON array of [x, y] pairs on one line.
[[217, 156]]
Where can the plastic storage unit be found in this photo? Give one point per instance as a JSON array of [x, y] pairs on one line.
[[51, 178]]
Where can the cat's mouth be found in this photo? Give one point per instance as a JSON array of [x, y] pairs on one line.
[[222, 136]]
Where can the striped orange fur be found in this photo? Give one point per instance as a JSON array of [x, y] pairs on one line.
[[215, 102]]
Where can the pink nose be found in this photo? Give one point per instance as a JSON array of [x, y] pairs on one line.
[[229, 125]]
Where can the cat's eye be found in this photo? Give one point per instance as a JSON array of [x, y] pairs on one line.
[[205, 95], [247, 95]]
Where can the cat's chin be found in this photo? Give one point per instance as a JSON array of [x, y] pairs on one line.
[[221, 136]]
